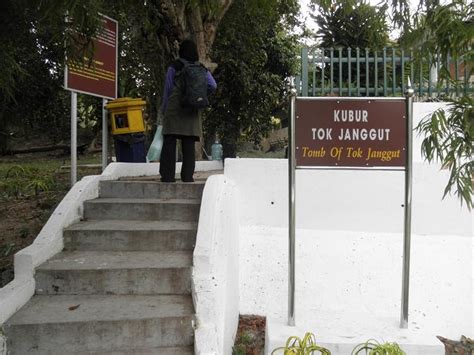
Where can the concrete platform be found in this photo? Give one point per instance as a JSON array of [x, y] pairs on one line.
[[151, 189], [75, 324], [189, 350], [130, 235], [348, 287], [120, 273], [186, 210]]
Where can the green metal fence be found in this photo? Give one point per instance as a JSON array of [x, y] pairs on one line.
[[365, 72]]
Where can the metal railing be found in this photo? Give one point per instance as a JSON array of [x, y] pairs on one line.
[[366, 72]]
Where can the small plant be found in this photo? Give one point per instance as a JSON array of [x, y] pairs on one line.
[[239, 349], [7, 249], [372, 347], [39, 183], [24, 232], [306, 346], [24, 181], [244, 341]]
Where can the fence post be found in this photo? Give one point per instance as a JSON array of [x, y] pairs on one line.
[[394, 73], [420, 84], [304, 71], [367, 85], [376, 74], [402, 61], [340, 71], [349, 64], [358, 70], [430, 79], [331, 51], [456, 75], [384, 71], [466, 79], [323, 76]]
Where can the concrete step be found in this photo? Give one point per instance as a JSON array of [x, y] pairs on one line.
[[130, 235], [151, 189], [186, 210], [86, 324], [119, 273], [188, 350]]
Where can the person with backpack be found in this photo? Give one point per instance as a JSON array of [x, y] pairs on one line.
[[187, 86]]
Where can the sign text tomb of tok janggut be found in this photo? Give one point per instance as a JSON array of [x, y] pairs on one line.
[[350, 133]]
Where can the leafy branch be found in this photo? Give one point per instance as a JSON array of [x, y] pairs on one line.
[[448, 139]]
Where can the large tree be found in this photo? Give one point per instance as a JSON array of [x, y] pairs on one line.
[[149, 41], [255, 52], [350, 23]]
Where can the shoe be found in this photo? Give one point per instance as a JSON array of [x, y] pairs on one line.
[[166, 180], [191, 180]]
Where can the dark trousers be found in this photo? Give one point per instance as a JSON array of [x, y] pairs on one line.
[[168, 158]]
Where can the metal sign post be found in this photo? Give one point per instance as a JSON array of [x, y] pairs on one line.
[[73, 137], [105, 136], [291, 210], [357, 133], [407, 217]]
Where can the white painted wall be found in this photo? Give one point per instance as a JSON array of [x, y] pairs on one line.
[[50, 239], [332, 207], [345, 199], [216, 269]]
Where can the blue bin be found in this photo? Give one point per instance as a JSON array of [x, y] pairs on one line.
[[130, 148]]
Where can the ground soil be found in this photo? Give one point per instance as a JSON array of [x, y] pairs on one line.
[[250, 339], [23, 215], [22, 219]]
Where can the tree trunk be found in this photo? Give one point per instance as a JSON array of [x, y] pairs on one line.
[[198, 23]]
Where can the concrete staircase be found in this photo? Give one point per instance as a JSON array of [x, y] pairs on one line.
[[122, 285]]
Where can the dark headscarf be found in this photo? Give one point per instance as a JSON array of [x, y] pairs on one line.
[[188, 51]]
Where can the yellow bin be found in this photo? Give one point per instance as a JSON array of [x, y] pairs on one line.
[[126, 115]]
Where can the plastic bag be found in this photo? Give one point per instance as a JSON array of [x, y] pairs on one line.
[[154, 152]]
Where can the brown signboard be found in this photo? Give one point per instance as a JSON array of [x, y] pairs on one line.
[[97, 75], [345, 132]]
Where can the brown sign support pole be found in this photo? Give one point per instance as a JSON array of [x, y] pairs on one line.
[[291, 209], [408, 197]]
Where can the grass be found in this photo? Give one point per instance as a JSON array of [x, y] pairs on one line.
[[30, 189]]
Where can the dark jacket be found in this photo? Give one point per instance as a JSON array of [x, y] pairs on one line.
[[179, 120]]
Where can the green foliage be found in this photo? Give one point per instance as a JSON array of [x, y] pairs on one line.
[[255, 53], [239, 349], [6, 249], [243, 344], [448, 139], [350, 23], [444, 33], [37, 35], [23, 181], [24, 232], [306, 346], [372, 347]]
